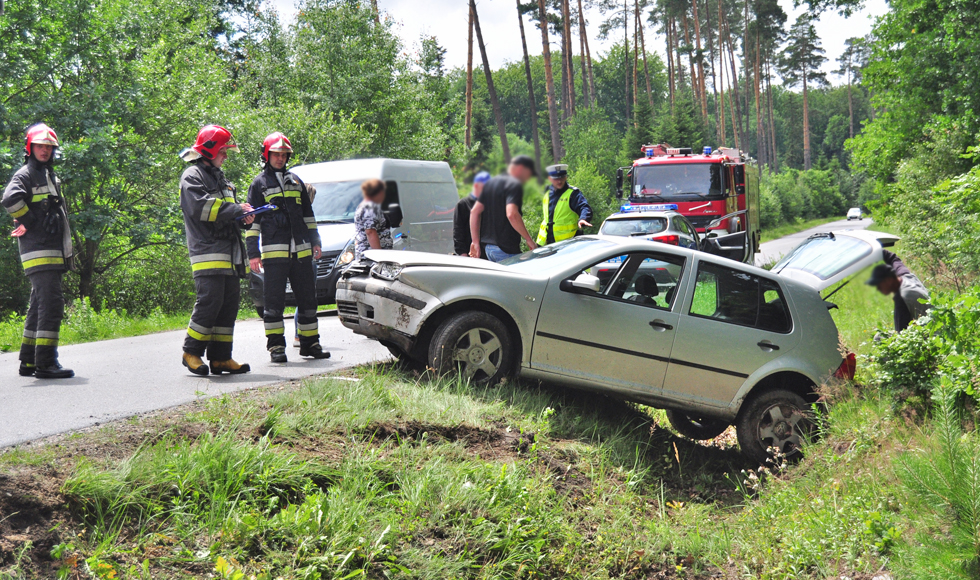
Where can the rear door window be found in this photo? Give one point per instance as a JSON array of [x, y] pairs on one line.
[[735, 297]]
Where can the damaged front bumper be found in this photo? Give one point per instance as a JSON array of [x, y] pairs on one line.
[[387, 310]]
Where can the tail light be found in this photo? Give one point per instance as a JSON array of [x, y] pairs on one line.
[[847, 367], [672, 240]]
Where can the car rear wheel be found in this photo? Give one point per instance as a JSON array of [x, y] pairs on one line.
[[778, 419], [476, 345], [697, 428]]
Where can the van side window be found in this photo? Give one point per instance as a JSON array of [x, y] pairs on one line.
[[391, 194], [736, 297]]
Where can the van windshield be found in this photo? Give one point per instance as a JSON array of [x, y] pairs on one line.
[[337, 201]]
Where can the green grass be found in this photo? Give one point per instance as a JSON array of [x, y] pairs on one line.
[[792, 228], [83, 324]]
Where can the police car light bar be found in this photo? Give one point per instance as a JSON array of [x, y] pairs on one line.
[[629, 208]]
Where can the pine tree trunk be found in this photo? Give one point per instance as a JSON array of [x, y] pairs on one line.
[[468, 139], [670, 58], [712, 46], [774, 155], [678, 64], [700, 57], [646, 67], [745, 71], [850, 104], [564, 81], [586, 94], [530, 93], [569, 60], [722, 137], [690, 59], [374, 9], [586, 52], [497, 113], [806, 125], [759, 134], [626, 54], [636, 61], [737, 117], [549, 84]]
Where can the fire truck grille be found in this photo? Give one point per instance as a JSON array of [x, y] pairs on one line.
[[700, 221]]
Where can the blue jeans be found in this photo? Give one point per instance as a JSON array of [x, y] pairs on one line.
[[495, 254]]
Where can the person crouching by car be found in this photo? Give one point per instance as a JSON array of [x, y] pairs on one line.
[[909, 293], [214, 241], [371, 229], [285, 243], [461, 218], [33, 198]]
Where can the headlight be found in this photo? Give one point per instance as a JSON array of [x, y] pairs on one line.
[[347, 256], [386, 270]]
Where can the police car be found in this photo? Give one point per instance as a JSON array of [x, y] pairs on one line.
[[656, 222]]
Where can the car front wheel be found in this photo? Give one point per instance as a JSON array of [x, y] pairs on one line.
[[477, 345], [779, 420], [697, 428]]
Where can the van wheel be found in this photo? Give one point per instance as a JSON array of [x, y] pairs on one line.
[[696, 428], [476, 345], [777, 419]]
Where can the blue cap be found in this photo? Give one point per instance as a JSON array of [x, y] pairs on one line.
[[482, 177]]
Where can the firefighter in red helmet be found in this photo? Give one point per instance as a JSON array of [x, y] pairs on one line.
[[33, 198], [214, 241], [284, 243]]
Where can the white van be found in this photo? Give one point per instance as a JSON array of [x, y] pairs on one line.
[[419, 203]]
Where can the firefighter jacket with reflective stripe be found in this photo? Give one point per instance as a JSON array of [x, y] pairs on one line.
[[32, 193], [291, 228], [560, 216], [214, 238]]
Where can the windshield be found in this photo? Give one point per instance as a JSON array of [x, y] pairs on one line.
[[560, 255], [337, 201], [678, 182], [634, 227], [825, 257]]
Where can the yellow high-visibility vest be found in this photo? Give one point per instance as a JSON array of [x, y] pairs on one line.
[[565, 223]]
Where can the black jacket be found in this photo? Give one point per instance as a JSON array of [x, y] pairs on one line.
[[290, 228], [32, 194], [214, 236], [461, 225]]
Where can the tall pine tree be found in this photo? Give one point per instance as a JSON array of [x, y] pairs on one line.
[[799, 64]]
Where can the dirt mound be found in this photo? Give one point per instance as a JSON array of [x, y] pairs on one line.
[[33, 510]]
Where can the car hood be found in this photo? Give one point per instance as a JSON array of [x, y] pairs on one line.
[[333, 237], [823, 260], [408, 258]]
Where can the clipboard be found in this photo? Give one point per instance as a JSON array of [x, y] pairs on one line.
[[258, 210]]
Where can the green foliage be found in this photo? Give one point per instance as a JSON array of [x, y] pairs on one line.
[[591, 138], [943, 479], [770, 206], [946, 343]]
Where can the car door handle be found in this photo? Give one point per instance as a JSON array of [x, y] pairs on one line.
[[660, 325], [764, 344]]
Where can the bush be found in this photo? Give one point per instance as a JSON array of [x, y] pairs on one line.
[[946, 343], [771, 211]]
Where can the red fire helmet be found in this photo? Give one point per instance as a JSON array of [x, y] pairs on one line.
[[40, 134], [210, 140], [275, 142]]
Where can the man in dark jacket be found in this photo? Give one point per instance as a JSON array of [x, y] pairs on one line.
[[909, 293], [461, 218], [496, 223], [285, 242], [33, 198], [214, 240]]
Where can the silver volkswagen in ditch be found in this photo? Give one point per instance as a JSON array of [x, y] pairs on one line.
[[712, 341]]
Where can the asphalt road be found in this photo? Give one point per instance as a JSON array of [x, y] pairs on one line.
[[778, 248], [119, 378]]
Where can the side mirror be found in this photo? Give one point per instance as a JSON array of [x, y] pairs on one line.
[[581, 282], [619, 183], [394, 215]]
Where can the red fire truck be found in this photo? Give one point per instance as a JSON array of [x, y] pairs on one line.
[[717, 191]]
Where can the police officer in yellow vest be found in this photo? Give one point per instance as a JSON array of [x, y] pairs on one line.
[[565, 210]]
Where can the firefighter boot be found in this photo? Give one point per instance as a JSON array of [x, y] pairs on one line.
[[228, 366], [26, 369], [195, 364], [315, 351], [53, 371], [278, 354]]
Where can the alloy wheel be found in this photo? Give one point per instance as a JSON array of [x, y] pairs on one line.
[[479, 350]]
